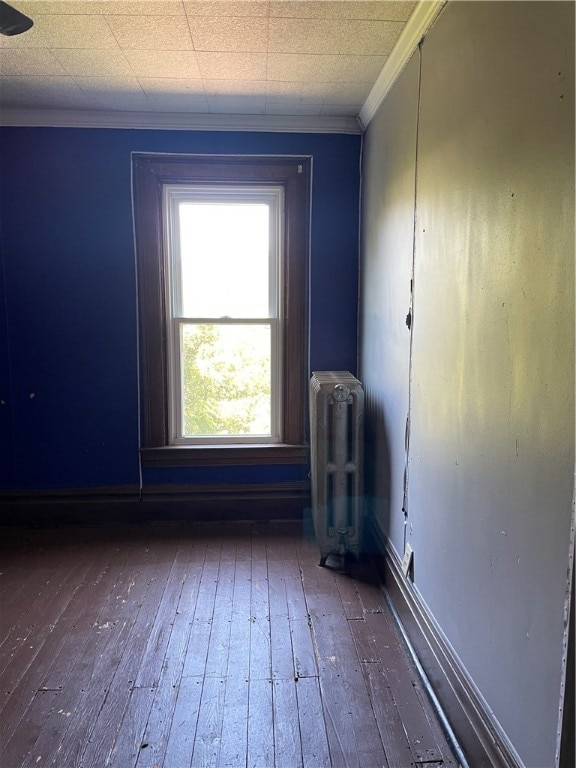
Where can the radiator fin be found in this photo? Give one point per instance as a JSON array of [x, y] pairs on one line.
[[337, 448]]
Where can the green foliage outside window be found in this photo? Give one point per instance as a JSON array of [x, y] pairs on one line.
[[226, 380]]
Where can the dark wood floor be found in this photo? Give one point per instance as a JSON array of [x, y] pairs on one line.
[[201, 645]]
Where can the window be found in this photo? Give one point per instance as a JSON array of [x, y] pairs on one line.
[[222, 258]]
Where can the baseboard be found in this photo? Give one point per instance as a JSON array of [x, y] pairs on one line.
[[477, 734], [127, 504]]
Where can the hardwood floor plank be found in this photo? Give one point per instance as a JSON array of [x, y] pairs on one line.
[[369, 588], [303, 654], [322, 596], [233, 747], [21, 646], [104, 609], [180, 745], [239, 654], [151, 666], [18, 690], [15, 749], [281, 542], [260, 660], [341, 742], [225, 645], [54, 643], [209, 726], [104, 731], [234, 737], [402, 677], [282, 659], [219, 646], [243, 537], [62, 738], [260, 750], [277, 588], [166, 693], [345, 696], [367, 648], [348, 591], [332, 638], [287, 744], [19, 587], [448, 761], [29, 563], [388, 718], [82, 676], [295, 598], [307, 549], [130, 742], [315, 749]]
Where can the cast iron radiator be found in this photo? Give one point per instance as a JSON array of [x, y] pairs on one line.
[[336, 443]]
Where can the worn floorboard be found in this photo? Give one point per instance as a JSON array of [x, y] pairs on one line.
[[220, 645]]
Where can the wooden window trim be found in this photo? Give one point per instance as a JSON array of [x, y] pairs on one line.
[[150, 172]]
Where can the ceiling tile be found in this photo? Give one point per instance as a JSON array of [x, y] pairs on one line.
[[41, 92], [196, 103], [57, 31], [348, 69], [119, 102], [336, 111], [167, 64], [305, 68], [394, 10], [95, 7], [29, 62], [235, 87], [370, 37], [239, 105], [282, 57], [167, 33], [110, 86], [305, 35], [224, 8], [155, 87], [82, 62], [234, 66], [229, 33], [346, 93], [341, 9], [295, 92]]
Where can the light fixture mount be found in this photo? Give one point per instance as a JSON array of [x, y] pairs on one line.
[[12, 22]]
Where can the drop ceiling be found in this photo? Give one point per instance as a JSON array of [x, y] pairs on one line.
[[180, 62]]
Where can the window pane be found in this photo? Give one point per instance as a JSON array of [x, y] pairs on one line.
[[224, 251], [226, 380]]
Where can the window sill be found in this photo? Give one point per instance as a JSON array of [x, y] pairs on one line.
[[220, 455]]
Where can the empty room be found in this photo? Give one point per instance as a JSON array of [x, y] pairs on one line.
[[287, 373]]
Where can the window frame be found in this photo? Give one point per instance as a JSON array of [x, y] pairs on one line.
[[177, 319], [150, 174]]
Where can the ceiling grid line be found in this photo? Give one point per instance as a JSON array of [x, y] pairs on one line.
[[304, 62]]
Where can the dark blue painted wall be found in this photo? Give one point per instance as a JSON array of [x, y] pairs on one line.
[[68, 336]]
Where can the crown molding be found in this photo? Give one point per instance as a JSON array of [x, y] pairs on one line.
[[416, 27], [177, 121]]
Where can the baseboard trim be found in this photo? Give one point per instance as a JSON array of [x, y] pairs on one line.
[[154, 503], [477, 734]]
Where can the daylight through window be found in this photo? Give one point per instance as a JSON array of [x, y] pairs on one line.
[[224, 262]]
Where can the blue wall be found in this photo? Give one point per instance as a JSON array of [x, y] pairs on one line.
[[68, 336]]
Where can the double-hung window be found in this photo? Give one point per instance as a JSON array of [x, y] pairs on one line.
[[222, 259]]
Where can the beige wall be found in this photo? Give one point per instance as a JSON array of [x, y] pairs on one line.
[[491, 381]]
